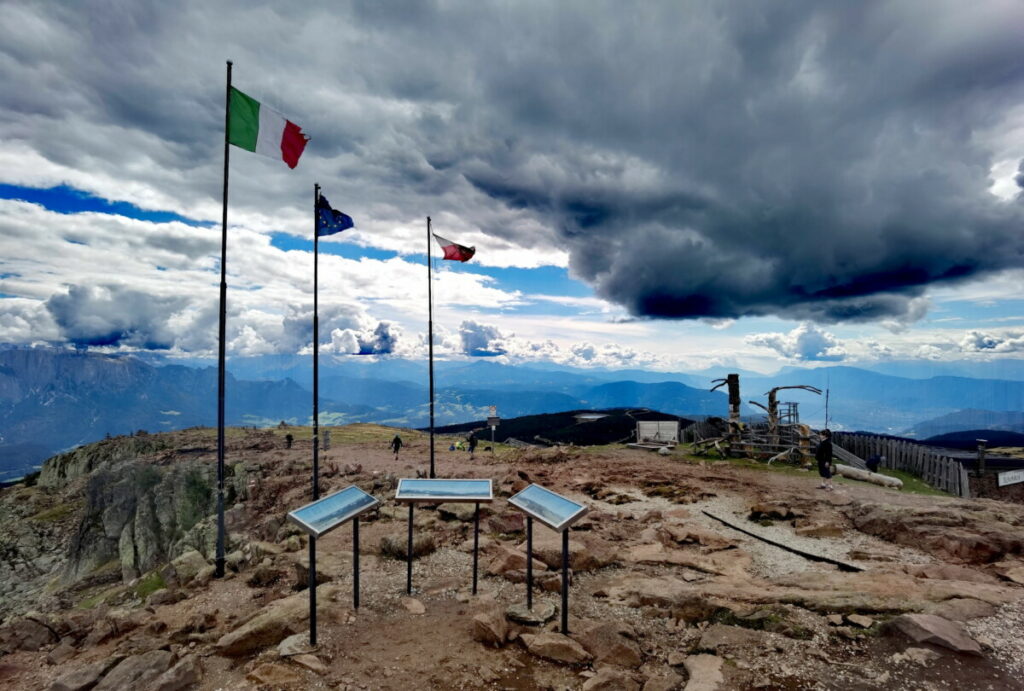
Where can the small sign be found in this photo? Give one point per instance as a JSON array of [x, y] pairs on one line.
[[493, 421], [551, 509], [443, 490], [1010, 477], [324, 515]]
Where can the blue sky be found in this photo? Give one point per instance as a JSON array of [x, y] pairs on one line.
[[753, 196]]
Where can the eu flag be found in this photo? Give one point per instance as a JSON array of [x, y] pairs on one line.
[[330, 221]]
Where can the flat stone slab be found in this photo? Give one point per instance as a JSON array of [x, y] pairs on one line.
[[540, 614]]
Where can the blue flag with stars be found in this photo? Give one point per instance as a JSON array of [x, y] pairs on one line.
[[330, 221]]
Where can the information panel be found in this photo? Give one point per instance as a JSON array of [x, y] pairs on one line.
[[328, 513], [1010, 477], [444, 490], [550, 508]]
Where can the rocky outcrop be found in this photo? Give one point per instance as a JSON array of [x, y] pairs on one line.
[[63, 468], [141, 516], [964, 533], [283, 618], [929, 628], [556, 647]]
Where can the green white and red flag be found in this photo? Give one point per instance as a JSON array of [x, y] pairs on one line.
[[255, 127]]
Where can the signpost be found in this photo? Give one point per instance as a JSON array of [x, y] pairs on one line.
[[323, 516], [438, 491], [558, 513], [1010, 477], [493, 421]]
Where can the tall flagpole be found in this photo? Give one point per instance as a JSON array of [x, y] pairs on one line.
[[220, 351], [430, 344], [316, 351], [316, 415]]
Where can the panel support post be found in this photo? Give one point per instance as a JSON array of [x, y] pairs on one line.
[[408, 556], [529, 562], [312, 590], [476, 543], [565, 581], [355, 562]]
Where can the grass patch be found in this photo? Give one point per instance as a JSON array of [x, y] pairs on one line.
[[101, 597], [913, 484], [149, 584], [57, 513]]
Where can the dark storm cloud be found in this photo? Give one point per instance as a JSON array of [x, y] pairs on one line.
[[114, 315], [820, 161]]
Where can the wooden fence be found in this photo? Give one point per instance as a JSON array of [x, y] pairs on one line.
[[936, 469]]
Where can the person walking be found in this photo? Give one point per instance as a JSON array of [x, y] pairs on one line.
[[472, 445], [396, 445], [824, 457]]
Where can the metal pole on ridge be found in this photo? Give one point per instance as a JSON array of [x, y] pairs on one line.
[[316, 350], [316, 427], [219, 573], [430, 344]]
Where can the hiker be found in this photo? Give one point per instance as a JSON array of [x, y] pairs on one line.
[[288, 439], [824, 457], [395, 445], [873, 461], [472, 445]]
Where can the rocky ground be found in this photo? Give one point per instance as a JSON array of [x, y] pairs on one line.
[[106, 577]]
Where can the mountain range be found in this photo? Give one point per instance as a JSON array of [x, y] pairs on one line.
[[55, 399]]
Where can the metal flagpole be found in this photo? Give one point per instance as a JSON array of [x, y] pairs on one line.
[[430, 344], [316, 416], [316, 350], [220, 349]]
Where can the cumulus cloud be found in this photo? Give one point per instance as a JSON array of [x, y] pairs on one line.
[[481, 340], [384, 339], [985, 342], [805, 342], [752, 162]]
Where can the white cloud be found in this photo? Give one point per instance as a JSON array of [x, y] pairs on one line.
[[805, 342]]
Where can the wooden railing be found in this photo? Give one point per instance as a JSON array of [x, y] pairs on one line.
[[936, 469]]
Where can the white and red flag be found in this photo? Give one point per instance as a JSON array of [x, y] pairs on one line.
[[455, 251]]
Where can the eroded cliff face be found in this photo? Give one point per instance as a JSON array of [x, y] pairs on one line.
[[63, 468], [140, 516]]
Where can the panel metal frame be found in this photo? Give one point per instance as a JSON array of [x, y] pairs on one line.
[[309, 529], [439, 499], [560, 527]]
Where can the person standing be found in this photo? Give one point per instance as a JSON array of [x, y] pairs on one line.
[[824, 457], [472, 445], [396, 445]]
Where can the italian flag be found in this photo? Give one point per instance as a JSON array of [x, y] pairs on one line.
[[255, 127]]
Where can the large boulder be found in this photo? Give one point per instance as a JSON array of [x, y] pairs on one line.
[[507, 559], [137, 671], [280, 619], [930, 628], [30, 632], [705, 673], [611, 679], [188, 565], [612, 643], [556, 647], [184, 675], [490, 628], [720, 638], [586, 552], [85, 677]]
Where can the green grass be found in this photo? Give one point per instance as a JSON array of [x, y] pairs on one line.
[[56, 513], [913, 484], [149, 584]]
